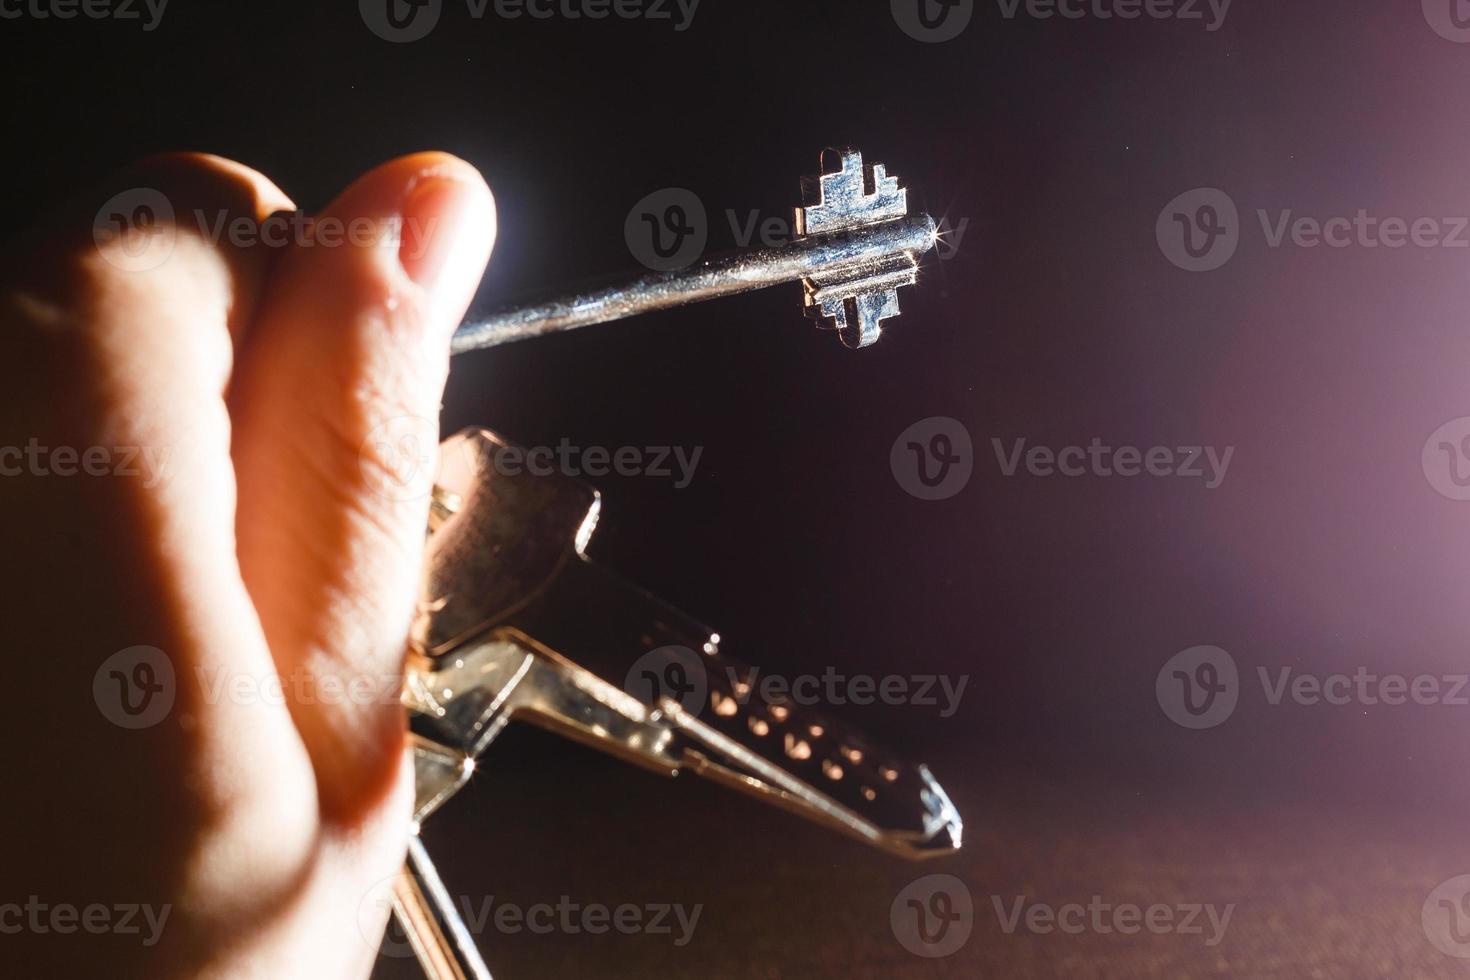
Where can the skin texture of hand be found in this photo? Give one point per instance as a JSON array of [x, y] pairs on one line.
[[264, 391]]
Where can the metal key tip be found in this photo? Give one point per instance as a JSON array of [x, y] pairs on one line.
[[849, 198]]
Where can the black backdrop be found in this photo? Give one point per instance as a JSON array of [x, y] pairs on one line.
[[1056, 319]]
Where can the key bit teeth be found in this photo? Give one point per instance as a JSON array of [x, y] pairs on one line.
[[856, 316], [815, 766], [854, 303], [850, 196]]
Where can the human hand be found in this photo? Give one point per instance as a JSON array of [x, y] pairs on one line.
[[235, 407]]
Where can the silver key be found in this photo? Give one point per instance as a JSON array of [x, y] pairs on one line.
[[517, 623], [856, 245]]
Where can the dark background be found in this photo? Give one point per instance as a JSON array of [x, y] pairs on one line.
[[1058, 319]]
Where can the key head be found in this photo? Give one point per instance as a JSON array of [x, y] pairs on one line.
[[501, 536], [848, 195]]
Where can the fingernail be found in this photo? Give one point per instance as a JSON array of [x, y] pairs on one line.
[[448, 230]]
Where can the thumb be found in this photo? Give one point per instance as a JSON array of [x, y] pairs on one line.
[[335, 407]]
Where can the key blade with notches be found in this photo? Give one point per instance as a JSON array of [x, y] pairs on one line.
[[516, 622]]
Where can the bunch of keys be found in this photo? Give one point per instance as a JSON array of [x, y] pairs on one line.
[[516, 623]]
